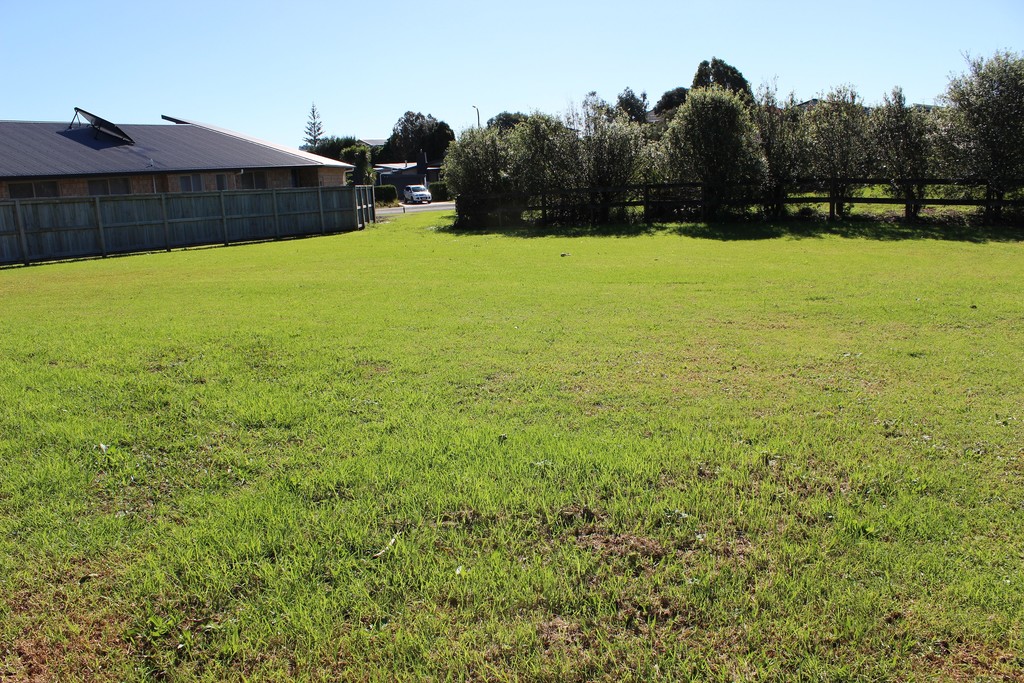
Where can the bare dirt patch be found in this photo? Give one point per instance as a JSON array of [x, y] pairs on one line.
[[962, 662], [621, 545], [558, 633], [85, 643]]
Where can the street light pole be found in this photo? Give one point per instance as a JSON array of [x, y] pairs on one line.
[[477, 115]]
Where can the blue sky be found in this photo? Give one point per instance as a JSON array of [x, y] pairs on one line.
[[257, 66]]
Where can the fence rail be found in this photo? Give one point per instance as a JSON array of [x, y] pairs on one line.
[[33, 230], [661, 201]]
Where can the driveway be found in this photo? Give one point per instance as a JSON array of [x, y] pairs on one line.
[[416, 208]]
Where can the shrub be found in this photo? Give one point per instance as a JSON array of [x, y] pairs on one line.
[[439, 191], [385, 194], [712, 139], [475, 168], [840, 142], [783, 147], [477, 163], [901, 136], [982, 125]]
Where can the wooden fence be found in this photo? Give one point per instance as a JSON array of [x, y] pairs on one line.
[[34, 230], [667, 201]]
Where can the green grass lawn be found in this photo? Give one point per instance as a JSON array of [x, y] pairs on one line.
[[408, 453]]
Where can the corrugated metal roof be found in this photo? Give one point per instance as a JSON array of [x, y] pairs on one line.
[[34, 149], [315, 158], [400, 166]]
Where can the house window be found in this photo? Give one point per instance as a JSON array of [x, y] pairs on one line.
[[105, 186], [39, 188], [21, 190], [222, 182], [253, 180], [191, 183], [46, 188]]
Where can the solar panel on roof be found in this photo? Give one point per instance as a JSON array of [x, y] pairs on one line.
[[102, 125]]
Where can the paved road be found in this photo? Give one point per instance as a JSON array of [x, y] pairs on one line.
[[416, 208]]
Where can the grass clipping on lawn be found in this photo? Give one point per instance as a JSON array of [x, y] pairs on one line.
[[406, 453]]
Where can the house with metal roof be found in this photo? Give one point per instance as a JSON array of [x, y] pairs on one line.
[[93, 157], [405, 173]]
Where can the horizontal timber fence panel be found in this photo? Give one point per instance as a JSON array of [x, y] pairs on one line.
[[669, 201], [34, 230]]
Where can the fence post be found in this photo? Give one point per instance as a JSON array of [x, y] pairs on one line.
[[320, 202], [993, 205], [167, 227], [356, 205], [277, 219], [223, 219], [21, 232], [99, 226], [367, 205]]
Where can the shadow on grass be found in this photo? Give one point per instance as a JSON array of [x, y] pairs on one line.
[[528, 230], [948, 227]]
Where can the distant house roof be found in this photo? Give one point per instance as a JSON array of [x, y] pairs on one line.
[[40, 149], [396, 167], [400, 167], [373, 142]]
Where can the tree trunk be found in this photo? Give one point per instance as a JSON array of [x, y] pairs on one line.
[[993, 211]]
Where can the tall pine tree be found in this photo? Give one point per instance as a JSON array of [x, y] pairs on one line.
[[314, 128]]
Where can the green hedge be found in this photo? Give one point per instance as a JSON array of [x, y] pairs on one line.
[[385, 194], [439, 191]]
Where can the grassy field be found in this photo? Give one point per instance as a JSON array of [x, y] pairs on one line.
[[413, 454]]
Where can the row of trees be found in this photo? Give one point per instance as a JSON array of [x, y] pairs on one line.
[[748, 146], [637, 108]]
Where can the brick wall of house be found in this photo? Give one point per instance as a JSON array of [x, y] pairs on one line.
[[73, 187], [172, 181], [332, 177], [278, 179], [79, 187]]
